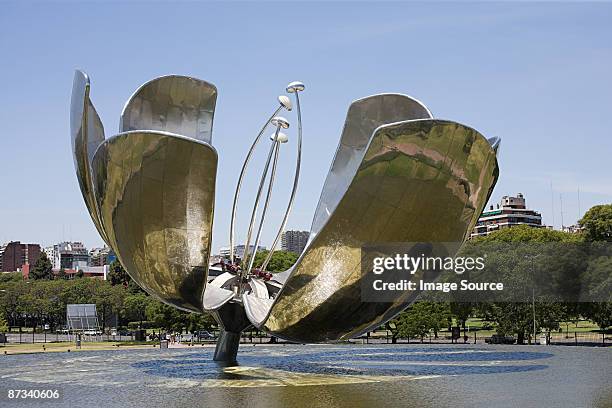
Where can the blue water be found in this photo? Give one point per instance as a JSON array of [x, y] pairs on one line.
[[347, 362], [323, 375]]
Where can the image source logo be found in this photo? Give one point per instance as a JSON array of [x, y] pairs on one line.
[[393, 271], [412, 264], [487, 272]]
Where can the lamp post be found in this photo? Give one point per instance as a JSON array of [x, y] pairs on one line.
[[533, 309], [531, 258]]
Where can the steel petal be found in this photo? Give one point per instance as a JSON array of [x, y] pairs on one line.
[[173, 103], [87, 133], [419, 181], [363, 117], [156, 193]]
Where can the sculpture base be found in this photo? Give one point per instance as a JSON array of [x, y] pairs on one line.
[[233, 321], [227, 347]]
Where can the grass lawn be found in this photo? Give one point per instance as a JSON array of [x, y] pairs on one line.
[[70, 346], [582, 326]]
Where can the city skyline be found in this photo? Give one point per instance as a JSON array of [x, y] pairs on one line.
[[222, 249], [524, 89]]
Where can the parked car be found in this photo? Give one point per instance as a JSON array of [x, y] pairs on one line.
[[499, 339], [204, 335]]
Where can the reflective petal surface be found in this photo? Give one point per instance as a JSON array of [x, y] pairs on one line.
[[398, 176], [419, 181], [86, 134], [156, 194], [173, 103], [363, 117]]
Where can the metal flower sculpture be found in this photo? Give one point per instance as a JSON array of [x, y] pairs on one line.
[[399, 175]]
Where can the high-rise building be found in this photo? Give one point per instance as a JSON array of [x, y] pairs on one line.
[[509, 212], [101, 256], [294, 241], [14, 255], [69, 255], [50, 252], [573, 229], [239, 250]]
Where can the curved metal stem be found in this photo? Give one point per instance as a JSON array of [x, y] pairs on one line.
[[265, 208], [256, 205], [294, 189], [240, 179]]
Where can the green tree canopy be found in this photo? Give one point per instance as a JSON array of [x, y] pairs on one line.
[[108, 300], [42, 268], [416, 321], [525, 233], [10, 277], [11, 298], [3, 324], [537, 253], [117, 274], [461, 311], [280, 261], [597, 223], [421, 318], [600, 313], [165, 317], [135, 307]]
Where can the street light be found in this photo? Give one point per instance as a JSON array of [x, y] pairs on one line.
[[531, 259]]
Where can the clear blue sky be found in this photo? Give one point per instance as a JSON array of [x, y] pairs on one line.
[[538, 75]]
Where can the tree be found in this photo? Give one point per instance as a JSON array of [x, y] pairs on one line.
[[166, 317], [439, 314], [419, 319], [135, 307], [55, 309], [597, 279], [461, 311], [79, 274], [171, 319], [10, 277], [42, 268], [35, 302], [600, 313], [549, 314], [525, 233], [597, 223], [78, 291], [3, 324], [109, 300], [117, 275], [62, 274], [200, 321], [10, 300], [512, 318], [279, 262], [133, 288], [526, 259], [413, 324]]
